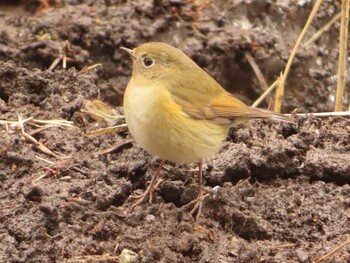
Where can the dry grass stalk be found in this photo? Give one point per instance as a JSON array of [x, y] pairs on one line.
[[14, 123], [67, 48], [278, 94], [327, 257], [100, 111], [323, 29], [39, 178], [281, 246], [53, 123], [88, 68], [343, 42], [294, 51], [47, 123], [31, 139], [54, 169], [43, 159], [323, 114], [32, 121], [93, 258], [264, 95]]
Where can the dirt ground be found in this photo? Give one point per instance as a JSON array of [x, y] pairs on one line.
[[279, 192]]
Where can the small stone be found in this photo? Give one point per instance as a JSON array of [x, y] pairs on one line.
[[150, 218], [128, 256]]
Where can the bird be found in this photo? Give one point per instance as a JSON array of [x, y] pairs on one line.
[[178, 112]]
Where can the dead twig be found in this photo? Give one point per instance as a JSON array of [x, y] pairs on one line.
[[32, 133], [256, 70], [102, 131], [117, 147]]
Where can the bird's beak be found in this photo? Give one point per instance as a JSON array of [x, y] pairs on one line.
[[130, 52]]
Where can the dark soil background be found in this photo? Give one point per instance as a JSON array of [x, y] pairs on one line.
[[283, 191]]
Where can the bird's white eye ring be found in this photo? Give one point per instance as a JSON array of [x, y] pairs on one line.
[[148, 62]]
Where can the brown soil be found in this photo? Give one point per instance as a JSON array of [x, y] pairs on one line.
[[283, 191]]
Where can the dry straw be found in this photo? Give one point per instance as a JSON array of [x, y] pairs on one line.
[[282, 79], [342, 54], [341, 76]]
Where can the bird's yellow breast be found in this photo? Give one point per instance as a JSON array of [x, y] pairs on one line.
[[160, 126]]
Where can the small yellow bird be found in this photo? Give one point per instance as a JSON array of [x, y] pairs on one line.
[[176, 111]]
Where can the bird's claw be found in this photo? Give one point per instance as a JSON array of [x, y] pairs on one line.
[[147, 194], [197, 206]]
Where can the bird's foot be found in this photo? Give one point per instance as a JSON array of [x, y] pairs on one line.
[[150, 189], [147, 194], [197, 204]]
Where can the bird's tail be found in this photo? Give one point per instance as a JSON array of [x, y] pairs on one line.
[[267, 114]]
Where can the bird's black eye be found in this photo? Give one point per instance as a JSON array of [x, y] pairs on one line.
[[148, 62]]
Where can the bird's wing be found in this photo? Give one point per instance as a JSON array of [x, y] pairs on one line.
[[222, 109], [226, 109]]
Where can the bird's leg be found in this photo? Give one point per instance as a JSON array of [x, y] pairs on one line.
[[150, 189], [198, 202]]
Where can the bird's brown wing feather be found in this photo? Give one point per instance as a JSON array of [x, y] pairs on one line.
[[226, 109], [228, 106], [223, 109]]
